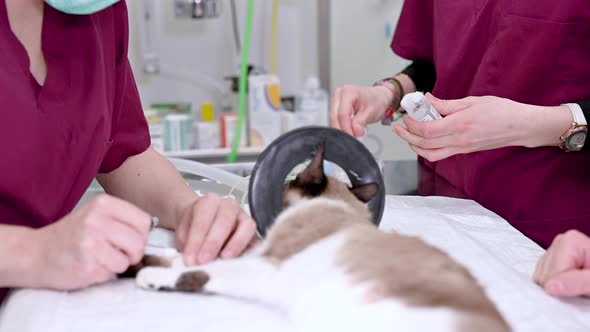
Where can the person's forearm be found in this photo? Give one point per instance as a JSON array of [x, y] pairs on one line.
[[151, 182], [16, 256], [407, 83], [542, 126]]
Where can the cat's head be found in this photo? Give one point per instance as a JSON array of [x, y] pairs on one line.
[[313, 182]]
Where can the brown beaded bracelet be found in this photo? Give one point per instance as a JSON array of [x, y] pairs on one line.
[[394, 85]]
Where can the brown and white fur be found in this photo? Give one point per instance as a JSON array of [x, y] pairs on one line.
[[330, 269]]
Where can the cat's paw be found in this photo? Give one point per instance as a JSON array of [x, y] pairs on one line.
[[157, 278]]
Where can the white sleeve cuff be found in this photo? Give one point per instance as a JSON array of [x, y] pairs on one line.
[[577, 113]]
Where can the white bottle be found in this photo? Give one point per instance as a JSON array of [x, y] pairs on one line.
[[312, 107], [207, 130], [419, 108]]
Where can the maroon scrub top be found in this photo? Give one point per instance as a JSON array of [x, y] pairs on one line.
[[535, 52], [86, 118]]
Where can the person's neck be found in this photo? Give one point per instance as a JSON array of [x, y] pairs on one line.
[[26, 21], [22, 8]]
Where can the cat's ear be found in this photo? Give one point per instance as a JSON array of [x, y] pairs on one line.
[[314, 173], [365, 192]]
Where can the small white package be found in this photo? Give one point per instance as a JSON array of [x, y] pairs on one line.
[[419, 108]]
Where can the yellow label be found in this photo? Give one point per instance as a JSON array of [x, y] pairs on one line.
[[273, 95], [207, 112]]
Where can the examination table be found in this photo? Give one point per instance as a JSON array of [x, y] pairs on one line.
[[502, 259]]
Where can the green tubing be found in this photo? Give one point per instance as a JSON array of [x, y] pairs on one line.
[[242, 84]]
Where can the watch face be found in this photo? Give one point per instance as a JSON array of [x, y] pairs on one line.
[[576, 140]]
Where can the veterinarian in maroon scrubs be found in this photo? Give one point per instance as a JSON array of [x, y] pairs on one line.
[[504, 69], [71, 112]]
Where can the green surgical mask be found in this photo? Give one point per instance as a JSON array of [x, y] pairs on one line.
[[80, 7]]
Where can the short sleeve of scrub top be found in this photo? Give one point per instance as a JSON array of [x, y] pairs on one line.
[[129, 135], [413, 38], [85, 119]]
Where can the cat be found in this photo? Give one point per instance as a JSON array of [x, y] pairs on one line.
[[329, 268]]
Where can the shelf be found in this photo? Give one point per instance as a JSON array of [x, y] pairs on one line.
[[212, 153]]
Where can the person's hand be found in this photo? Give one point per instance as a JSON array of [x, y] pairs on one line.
[[564, 270], [468, 125], [213, 226], [354, 107], [91, 245], [482, 123]]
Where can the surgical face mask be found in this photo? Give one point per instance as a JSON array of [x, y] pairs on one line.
[[80, 7]]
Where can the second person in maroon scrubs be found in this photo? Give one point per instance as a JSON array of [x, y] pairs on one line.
[[502, 70]]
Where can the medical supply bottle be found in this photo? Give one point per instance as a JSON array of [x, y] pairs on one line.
[[312, 104], [178, 133], [207, 129], [419, 108]]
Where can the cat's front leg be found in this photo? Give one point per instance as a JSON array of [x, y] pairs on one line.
[[167, 279], [249, 277]]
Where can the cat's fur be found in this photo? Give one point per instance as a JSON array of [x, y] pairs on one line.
[[330, 269]]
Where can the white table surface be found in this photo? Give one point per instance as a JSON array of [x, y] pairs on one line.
[[501, 258]]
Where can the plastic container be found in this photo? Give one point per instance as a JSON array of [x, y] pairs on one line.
[[207, 130], [264, 109], [312, 106], [419, 108], [228, 124], [178, 132], [155, 121]]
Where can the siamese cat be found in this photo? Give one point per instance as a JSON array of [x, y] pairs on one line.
[[329, 268]]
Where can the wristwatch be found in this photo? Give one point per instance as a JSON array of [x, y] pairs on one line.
[[575, 137]]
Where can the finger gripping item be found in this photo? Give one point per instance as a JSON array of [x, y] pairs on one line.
[[419, 108]]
